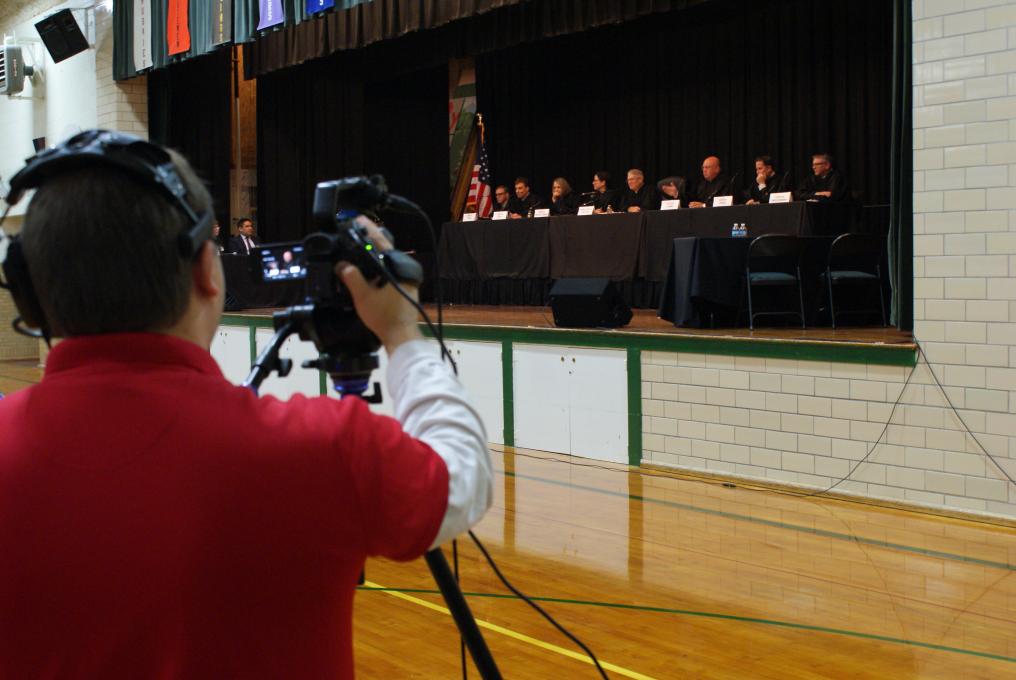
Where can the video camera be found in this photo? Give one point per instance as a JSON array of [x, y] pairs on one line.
[[327, 317]]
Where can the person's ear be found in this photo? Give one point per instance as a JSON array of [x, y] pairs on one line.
[[205, 271]]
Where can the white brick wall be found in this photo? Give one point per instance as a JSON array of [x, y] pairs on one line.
[[965, 230], [810, 422]]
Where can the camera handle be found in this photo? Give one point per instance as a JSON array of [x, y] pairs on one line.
[[269, 361]]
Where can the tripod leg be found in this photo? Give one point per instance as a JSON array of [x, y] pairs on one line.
[[463, 617]]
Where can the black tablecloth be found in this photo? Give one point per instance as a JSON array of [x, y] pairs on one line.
[[595, 246], [514, 261], [249, 293], [798, 218], [489, 249], [706, 276]]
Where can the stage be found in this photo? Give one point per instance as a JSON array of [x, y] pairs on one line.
[[492, 321]]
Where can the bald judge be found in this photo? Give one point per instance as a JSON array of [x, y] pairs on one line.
[[714, 183]]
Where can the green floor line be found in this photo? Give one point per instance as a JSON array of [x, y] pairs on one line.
[[724, 617], [772, 523]]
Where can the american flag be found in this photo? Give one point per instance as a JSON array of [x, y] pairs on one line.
[[479, 196]]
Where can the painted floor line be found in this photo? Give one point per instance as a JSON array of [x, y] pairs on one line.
[[773, 523], [714, 615], [402, 594]]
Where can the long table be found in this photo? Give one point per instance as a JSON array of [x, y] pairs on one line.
[[514, 261]]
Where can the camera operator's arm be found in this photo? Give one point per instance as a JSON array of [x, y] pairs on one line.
[[428, 399]]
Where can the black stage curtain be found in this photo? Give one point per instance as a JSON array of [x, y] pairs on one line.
[[188, 110], [325, 120], [901, 219], [449, 27], [732, 78]]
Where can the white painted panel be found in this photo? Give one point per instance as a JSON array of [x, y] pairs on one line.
[[598, 400], [541, 398], [481, 375], [231, 349], [300, 380]]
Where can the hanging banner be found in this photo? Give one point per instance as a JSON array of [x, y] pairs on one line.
[[271, 13], [222, 21], [142, 35], [315, 6], [177, 30]]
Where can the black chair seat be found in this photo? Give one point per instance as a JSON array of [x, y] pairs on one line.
[[848, 275], [762, 278]]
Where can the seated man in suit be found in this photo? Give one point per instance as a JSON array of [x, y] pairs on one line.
[[672, 188], [502, 200], [766, 181], [525, 201], [826, 183], [243, 243], [714, 183]]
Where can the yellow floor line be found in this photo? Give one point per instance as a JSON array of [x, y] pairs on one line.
[[518, 636]]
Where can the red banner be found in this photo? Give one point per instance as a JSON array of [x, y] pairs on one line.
[[177, 32]]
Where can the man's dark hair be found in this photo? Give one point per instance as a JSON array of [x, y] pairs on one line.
[[500, 186], [604, 177], [766, 160], [102, 249], [522, 180], [240, 221]]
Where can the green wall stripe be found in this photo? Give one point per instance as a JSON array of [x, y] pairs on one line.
[[252, 336], [802, 350], [772, 523], [508, 392], [634, 407], [715, 615]]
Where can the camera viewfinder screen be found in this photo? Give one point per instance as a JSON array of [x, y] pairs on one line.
[[283, 262]]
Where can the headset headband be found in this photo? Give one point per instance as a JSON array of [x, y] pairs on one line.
[[144, 160]]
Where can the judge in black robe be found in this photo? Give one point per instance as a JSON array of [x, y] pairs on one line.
[[714, 183], [826, 183], [525, 201], [767, 181], [638, 196], [563, 201]]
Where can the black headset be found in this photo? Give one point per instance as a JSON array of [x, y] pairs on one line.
[[139, 158]]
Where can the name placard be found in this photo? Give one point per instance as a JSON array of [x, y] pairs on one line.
[[541, 212], [469, 217], [671, 204], [586, 209], [500, 215], [722, 201], [780, 197]]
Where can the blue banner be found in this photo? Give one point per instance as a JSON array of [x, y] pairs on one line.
[[271, 13], [315, 6]]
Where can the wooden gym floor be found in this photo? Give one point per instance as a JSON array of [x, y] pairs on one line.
[[671, 577]]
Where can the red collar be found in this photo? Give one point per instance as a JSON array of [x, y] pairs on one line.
[[153, 349]]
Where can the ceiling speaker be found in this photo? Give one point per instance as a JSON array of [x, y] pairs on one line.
[[62, 35]]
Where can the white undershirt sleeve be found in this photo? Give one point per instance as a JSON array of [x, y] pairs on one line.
[[433, 407]]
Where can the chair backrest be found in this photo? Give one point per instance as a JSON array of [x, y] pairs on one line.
[[774, 253], [856, 252]]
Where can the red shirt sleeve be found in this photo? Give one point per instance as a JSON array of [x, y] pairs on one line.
[[401, 482]]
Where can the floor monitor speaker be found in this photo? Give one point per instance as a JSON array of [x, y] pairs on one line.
[[588, 303]]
